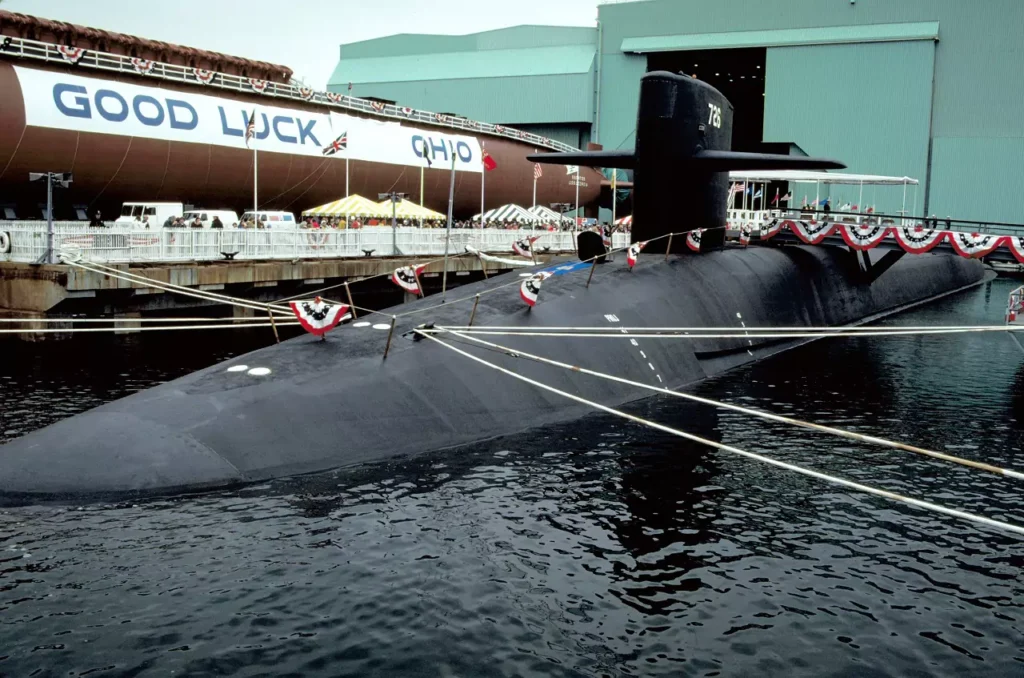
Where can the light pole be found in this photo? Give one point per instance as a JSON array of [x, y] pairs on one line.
[[395, 198], [63, 179]]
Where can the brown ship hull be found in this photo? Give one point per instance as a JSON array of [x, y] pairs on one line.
[[110, 169]]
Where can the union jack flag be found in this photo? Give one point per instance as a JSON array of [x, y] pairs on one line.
[[250, 129], [339, 144]]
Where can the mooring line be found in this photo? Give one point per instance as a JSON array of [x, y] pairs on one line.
[[956, 513], [130, 330], [517, 353], [827, 328], [117, 320], [626, 334], [172, 286], [177, 289]]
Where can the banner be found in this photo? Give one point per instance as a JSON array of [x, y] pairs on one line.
[[98, 106]]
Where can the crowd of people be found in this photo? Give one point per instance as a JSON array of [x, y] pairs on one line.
[[356, 222]]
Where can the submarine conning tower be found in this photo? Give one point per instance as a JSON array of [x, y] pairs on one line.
[[683, 154]]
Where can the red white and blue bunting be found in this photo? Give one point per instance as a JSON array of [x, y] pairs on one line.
[[693, 239], [71, 54], [408, 278], [917, 239], [407, 112], [524, 247], [378, 106], [334, 97], [440, 117], [142, 66], [204, 76], [634, 252], [259, 86], [318, 316], [531, 287], [306, 93]]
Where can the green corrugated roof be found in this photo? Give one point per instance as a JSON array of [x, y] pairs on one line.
[[494, 63], [784, 38]]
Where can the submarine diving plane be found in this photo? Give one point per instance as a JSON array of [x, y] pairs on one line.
[[307, 405]]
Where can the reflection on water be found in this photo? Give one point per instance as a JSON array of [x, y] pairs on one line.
[[592, 548]]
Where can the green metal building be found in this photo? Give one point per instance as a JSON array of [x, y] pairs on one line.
[[930, 89]]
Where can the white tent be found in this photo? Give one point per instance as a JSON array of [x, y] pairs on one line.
[[509, 212], [820, 178], [547, 215]]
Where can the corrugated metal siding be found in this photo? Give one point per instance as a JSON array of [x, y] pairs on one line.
[[514, 37], [495, 63], [620, 96], [977, 179], [784, 37], [513, 101], [978, 60], [866, 105]]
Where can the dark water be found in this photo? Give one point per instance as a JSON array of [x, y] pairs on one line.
[[599, 548]]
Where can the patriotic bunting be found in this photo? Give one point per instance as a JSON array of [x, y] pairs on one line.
[[531, 287], [693, 239], [440, 117], [918, 239], [259, 86], [973, 245], [499, 129], [334, 97], [378, 106], [204, 76], [524, 247], [406, 111], [634, 252], [772, 229], [407, 278], [1016, 247], [811, 233], [142, 66], [863, 238], [306, 93], [319, 317], [745, 235], [71, 54]]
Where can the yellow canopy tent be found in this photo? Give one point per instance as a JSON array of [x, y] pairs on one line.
[[353, 206], [407, 209]]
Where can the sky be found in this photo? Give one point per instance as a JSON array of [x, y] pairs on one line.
[[302, 34]]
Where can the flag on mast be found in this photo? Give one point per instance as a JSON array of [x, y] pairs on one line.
[[775, 200], [537, 171], [250, 129], [488, 161], [339, 144]]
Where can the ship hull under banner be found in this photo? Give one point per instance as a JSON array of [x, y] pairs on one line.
[[306, 405], [125, 140]]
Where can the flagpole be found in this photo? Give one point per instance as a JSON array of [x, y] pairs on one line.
[[614, 176], [255, 174], [577, 180], [346, 150], [483, 178], [448, 230], [535, 182]]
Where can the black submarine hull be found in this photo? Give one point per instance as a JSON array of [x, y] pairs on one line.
[[336, 403]]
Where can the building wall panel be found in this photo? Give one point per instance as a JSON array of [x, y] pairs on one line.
[[867, 105]]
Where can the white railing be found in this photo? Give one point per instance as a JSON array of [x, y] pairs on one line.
[[128, 244], [116, 63]]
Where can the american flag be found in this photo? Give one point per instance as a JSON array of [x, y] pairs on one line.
[[537, 171], [339, 144], [250, 129]]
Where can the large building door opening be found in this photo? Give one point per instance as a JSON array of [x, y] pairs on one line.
[[739, 74]]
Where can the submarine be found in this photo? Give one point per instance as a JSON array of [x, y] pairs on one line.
[[308, 405]]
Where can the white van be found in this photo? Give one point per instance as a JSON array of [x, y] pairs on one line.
[[272, 219], [228, 218], [152, 213]]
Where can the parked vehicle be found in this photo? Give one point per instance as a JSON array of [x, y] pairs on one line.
[[227, 217], [271, 219], [152, 213]]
